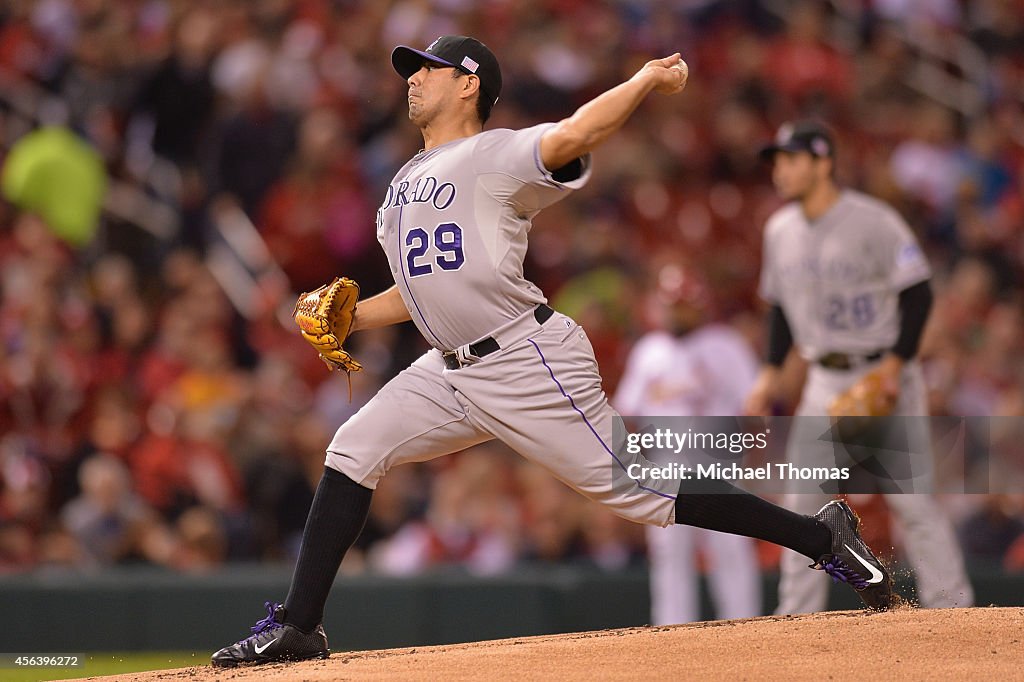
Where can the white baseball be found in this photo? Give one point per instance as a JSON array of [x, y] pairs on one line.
[[681, 66]]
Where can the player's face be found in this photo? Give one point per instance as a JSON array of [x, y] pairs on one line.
[[683, 317], [431, 90], [796, 174]]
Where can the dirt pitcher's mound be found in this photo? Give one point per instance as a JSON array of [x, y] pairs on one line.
[[909, 644]]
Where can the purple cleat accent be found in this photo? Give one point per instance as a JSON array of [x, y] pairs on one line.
[[274, 640], [841, 573]]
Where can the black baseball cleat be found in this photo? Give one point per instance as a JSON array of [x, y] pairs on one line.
[[273, 640], [851, 561]]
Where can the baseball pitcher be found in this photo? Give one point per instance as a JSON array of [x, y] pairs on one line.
[[454, 224]]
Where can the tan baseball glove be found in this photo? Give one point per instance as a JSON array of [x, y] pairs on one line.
[[325, 319], [866, 398]]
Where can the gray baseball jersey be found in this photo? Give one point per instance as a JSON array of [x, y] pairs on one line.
[[454, 225], [838, 279]]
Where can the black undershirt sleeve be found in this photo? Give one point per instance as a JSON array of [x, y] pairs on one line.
[[569, 172], [780, 338], [915, 304]]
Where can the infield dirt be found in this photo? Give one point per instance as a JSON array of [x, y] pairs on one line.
[[908, 644]]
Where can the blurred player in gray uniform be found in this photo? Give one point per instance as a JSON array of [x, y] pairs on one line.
[[503, 365], [849, 287], [687, 368]]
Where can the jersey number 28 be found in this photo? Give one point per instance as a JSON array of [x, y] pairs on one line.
[[855, 313], [447, 240]]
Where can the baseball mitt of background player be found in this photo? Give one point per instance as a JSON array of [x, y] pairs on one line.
[[866, 398], [325, 319], [855, 413]]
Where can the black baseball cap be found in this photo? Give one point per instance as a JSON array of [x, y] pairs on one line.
[[466, 54], [802, 136]]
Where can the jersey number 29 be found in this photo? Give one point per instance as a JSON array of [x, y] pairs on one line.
[[447, 240]]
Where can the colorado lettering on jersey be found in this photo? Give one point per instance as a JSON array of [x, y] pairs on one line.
[[833, 269], [426, 190]]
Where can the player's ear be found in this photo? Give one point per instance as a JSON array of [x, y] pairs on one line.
[[831, 166], [470, 86], [823, 166]]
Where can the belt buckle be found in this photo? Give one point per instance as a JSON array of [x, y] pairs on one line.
[[460, 357], [835, 361]]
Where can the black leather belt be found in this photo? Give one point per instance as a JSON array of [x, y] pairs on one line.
[[484, 347], [847, 361]]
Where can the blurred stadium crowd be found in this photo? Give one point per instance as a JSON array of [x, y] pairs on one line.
[[143, 418]]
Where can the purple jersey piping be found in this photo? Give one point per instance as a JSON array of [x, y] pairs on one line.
[[589, 425]]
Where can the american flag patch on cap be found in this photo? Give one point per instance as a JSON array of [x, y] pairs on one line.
[[469, 64]]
